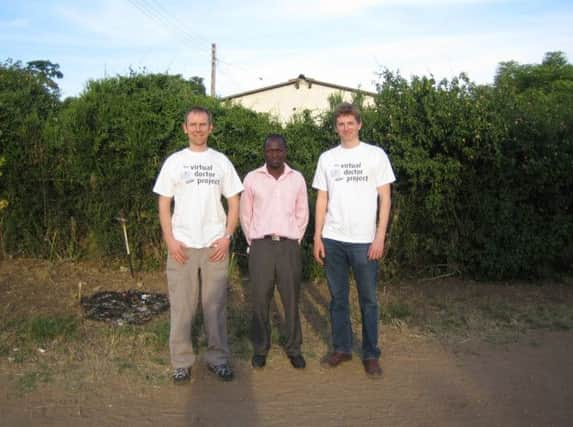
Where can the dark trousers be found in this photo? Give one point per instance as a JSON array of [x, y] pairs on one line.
[[277, 262]]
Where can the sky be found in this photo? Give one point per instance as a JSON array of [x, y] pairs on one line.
[[265, 42]]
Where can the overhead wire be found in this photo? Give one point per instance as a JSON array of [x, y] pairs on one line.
[[157, 12]]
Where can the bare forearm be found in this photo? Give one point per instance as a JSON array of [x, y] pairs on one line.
[[384, 194], [320, 213], [232, 214], [165, 217], [222, 244], [175, 248]]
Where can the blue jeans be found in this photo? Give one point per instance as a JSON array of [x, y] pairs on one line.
[[340, 257]]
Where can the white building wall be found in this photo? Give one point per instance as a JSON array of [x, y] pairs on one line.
[[284, 101]]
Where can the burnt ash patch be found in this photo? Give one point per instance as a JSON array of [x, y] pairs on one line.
[[133, 307]]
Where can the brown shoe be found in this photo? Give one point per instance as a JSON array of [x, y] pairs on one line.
[[372, 368], [336, 358]]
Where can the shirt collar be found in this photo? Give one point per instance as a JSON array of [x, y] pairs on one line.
[[263, 169]]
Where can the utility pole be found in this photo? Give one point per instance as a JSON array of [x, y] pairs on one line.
[[213, 63]]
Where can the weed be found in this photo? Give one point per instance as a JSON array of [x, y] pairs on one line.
[[4, 349], [155, 378], [46, 328], [395, 311], [311, 354], [20, 356], [124, 365], [500, 312], [239, 325], [158, 360], [240, 348], [29, 381], [562, 325], [160, 331]]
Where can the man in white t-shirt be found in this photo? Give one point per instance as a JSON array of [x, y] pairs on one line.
[[353, 183], [198, 235]]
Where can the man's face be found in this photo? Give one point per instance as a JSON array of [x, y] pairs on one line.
[[347, 128], [275, 154], [197, 128]]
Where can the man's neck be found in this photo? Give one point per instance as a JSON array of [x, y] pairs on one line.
[[198, 148], [350, 144], [276, 172]]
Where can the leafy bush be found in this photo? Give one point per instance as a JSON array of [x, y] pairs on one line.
[[484, 172]]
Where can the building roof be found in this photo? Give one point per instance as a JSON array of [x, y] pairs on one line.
[[297, 81]]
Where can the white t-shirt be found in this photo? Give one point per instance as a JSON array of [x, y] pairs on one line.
[[351, 176], [197, 180]]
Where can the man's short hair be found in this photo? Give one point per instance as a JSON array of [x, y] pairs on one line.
[[198, 109], [345, 109], [275, 137]]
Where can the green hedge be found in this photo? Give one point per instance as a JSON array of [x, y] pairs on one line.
[[484, 172]]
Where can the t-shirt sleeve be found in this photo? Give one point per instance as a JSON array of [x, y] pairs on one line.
[[165, 184], [385, 174], [319, 181], [232, 184]]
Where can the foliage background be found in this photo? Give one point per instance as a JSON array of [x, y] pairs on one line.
[[484, 172]]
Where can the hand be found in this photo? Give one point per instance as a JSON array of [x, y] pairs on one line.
[[176, 250], [318, 251], [376, 249], [220, 249]]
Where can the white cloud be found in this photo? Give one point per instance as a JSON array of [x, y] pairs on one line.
[[108, 37], [478, 55]]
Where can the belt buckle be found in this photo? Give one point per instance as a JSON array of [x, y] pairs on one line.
[[275, 238]]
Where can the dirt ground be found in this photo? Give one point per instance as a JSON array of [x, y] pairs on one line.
[[426, 382]]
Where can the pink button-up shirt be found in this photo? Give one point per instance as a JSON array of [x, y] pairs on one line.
[[274, 206]]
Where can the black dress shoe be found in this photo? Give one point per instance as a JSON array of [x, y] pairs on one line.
[[297, 361], [258, 361]]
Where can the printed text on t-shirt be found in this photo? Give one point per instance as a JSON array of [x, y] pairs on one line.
[[353, 172], [202, 173]]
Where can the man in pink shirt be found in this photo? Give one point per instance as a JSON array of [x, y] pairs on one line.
[[274, 216]]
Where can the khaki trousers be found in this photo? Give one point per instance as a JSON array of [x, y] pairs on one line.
[[184, 282]]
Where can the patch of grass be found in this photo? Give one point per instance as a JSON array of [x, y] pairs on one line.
[[447, 324], [46, 328], [4, 349], [239, 330], [124, 364], [559, 316], [29, 381], [158, 360], [276, 335], [239, 323], [562, 325], [157, 378], [15, 326], [154, 334], [240, 348], [160, 330], [500, 312], [444, 319], [395, 311], [20, 356], [311, 354]]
